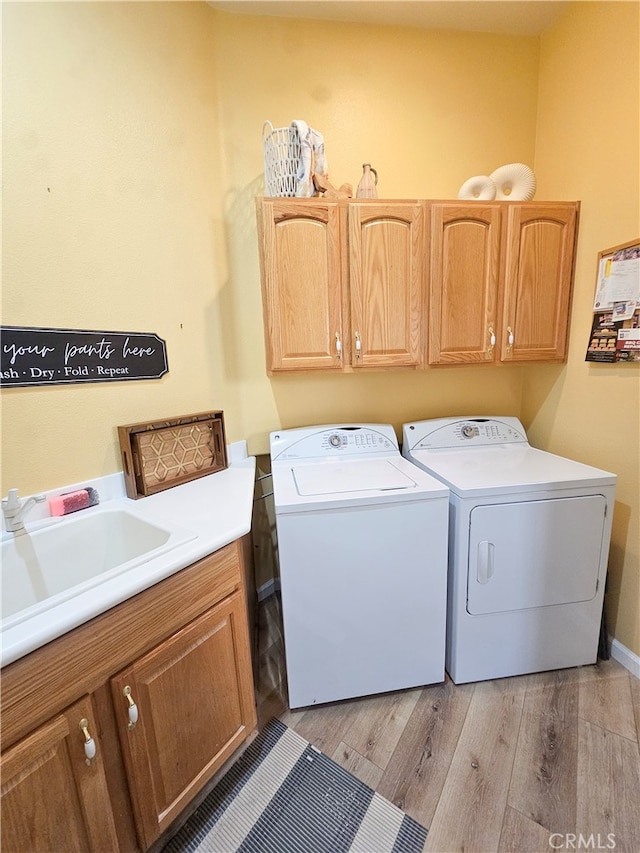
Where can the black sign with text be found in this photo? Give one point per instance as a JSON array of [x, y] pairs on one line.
[[69, 356]]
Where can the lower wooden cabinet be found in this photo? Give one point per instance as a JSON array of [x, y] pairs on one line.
[[162, 690], [53, 796], [193, 698]]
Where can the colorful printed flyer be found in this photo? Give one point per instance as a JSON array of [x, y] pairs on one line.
[[615, 329]]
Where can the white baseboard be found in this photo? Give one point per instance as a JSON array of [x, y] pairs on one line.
[[625, 656]]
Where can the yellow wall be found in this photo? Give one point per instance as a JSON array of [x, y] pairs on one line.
[[132, 155], [111, 218], [588, 148]]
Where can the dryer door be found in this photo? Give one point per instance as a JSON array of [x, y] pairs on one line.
[[534, 553]]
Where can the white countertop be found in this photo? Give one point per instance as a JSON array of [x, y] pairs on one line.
[[216, 509]]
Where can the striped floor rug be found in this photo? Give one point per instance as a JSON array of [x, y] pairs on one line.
[[284, 796]]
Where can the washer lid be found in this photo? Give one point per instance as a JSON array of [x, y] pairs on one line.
[[336, 483], [507, 469], [350, 476]]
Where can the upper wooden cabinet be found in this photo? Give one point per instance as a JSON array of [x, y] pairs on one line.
[[463, 282], [342, 283], [386, 263], [345, 283], [500, 281], [301, 254], [539, 250]]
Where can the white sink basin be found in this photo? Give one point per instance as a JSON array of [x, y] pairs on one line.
[[51, 564]]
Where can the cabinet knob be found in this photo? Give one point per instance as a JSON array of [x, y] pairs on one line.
[[510, 338], [132, 710], [358, 345], [338, 345], [492, 339], [89, 743]]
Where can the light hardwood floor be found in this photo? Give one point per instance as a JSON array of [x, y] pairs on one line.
[[529, 764]]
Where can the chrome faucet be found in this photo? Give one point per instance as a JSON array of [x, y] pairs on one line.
[[15, 510]]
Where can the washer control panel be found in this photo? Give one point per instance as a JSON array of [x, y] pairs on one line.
[[463, 432], [333, 441]]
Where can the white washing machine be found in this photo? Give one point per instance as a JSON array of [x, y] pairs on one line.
[[528, 547], [362, 541]]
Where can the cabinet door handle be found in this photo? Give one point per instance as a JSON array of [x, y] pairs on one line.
[[492, 339], [89, 742], [338, 345], [358, 345], [510, 338], [133, 708]]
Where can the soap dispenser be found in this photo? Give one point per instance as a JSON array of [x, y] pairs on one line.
[[368, 182]]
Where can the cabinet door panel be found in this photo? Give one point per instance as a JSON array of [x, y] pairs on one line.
[[540, 248], [195, 702], [51, 799], [386, 259], [464, 271], [302, 292]]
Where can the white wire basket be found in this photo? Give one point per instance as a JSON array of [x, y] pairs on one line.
[[281, 159]]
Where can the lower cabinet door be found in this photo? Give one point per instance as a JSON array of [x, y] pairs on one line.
[[53, 797], [182, 710]]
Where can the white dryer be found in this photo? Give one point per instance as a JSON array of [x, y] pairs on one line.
[[362, 542], [528, 547]]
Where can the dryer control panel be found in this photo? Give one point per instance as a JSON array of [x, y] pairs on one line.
[[463, 432], [333, 441]]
